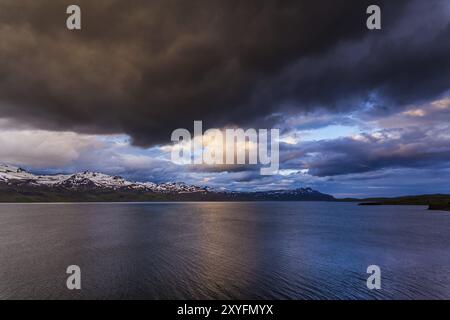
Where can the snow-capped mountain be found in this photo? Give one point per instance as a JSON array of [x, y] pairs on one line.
[[18, 185], [300, 194], [14, 176]]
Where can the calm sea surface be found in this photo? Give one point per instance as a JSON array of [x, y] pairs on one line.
[[273, 250]]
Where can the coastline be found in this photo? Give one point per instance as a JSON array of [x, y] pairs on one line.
[[438, 202]]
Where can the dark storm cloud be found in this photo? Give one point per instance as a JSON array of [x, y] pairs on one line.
[[408, 64], [147, 67]]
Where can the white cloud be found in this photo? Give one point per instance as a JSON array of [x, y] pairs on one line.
[[43, 149]]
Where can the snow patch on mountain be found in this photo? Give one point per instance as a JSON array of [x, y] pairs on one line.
[[12, 175]]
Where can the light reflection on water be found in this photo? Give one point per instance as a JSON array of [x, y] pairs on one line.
[[270, 250]]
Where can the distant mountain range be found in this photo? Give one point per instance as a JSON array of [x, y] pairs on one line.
[[18, 185]]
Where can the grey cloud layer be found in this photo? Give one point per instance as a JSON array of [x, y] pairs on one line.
[[393, 148], [145, 68]]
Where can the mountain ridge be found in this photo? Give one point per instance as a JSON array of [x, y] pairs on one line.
[[18, 185]]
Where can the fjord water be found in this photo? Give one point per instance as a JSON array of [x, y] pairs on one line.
[[257, 250]]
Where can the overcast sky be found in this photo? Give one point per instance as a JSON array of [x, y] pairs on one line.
[[361, 113]]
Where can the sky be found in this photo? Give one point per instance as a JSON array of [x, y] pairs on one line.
[[361, 112]]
